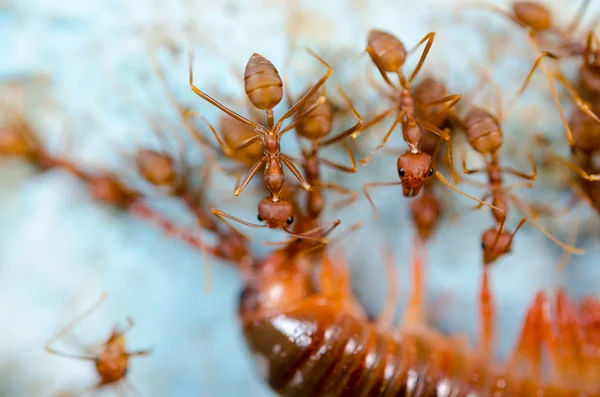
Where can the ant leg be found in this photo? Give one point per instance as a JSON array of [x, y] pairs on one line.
[[484, 198], [140, 353], [238, 190], [430, 127], [450, 99], [341, 203], [367, 159], [355, 129], [429, 39], [577, 19], [371, 123], [415, 309], [590, 41], [385, 320], [341, 167], [215, 103], [307, 235], [457, 190], [175, 104], [382, 91], [222, 215], [487, 315], [376, 184], [499, 11], [70, 326], [308, 94], [298, 118], [553, 92], [377, 63], [565, 258], [523, 175], [296, 173], [580, 102], [246, 143], [575, 168], [228, 151], [525, 208], [466, 170]]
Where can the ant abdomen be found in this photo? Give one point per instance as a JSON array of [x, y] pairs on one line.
[[414, 169], [586, 132], [262, 83], [388, 49], [275, 214], [318, 123], [426, 211], [157, 168], [533, 14], [235, 132], [483, 131], [430, 90]]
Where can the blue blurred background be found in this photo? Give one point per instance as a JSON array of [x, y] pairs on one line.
[[88, 63]]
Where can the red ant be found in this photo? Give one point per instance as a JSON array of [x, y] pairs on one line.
[[484, 133], [315, 127], [414, 166], [263, 87], [112, 361], [536, 19]]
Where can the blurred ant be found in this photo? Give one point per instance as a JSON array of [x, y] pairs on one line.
[[112, 360]]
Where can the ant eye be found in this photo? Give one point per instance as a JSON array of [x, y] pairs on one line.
[[401, 172], [430, 171], [259, 218], [289, 220], [482, 245], [125, 371]]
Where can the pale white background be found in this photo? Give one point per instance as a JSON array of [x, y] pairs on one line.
[[59, 250]]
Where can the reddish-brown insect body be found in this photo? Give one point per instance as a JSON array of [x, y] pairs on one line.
[[107, 189], [318, 123], [483, 131], [533, 14], [157, 168], [112, 360], [426, 211], [235, 132], [413, 169], [275, 214], [388, 54], [387, 49], [262, 83]]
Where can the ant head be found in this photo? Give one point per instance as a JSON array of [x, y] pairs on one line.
[[494, 246], [533, 14], [262, 83], [388, 51], [156, 167], [414, 169], [425, 211], [275, 214]]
